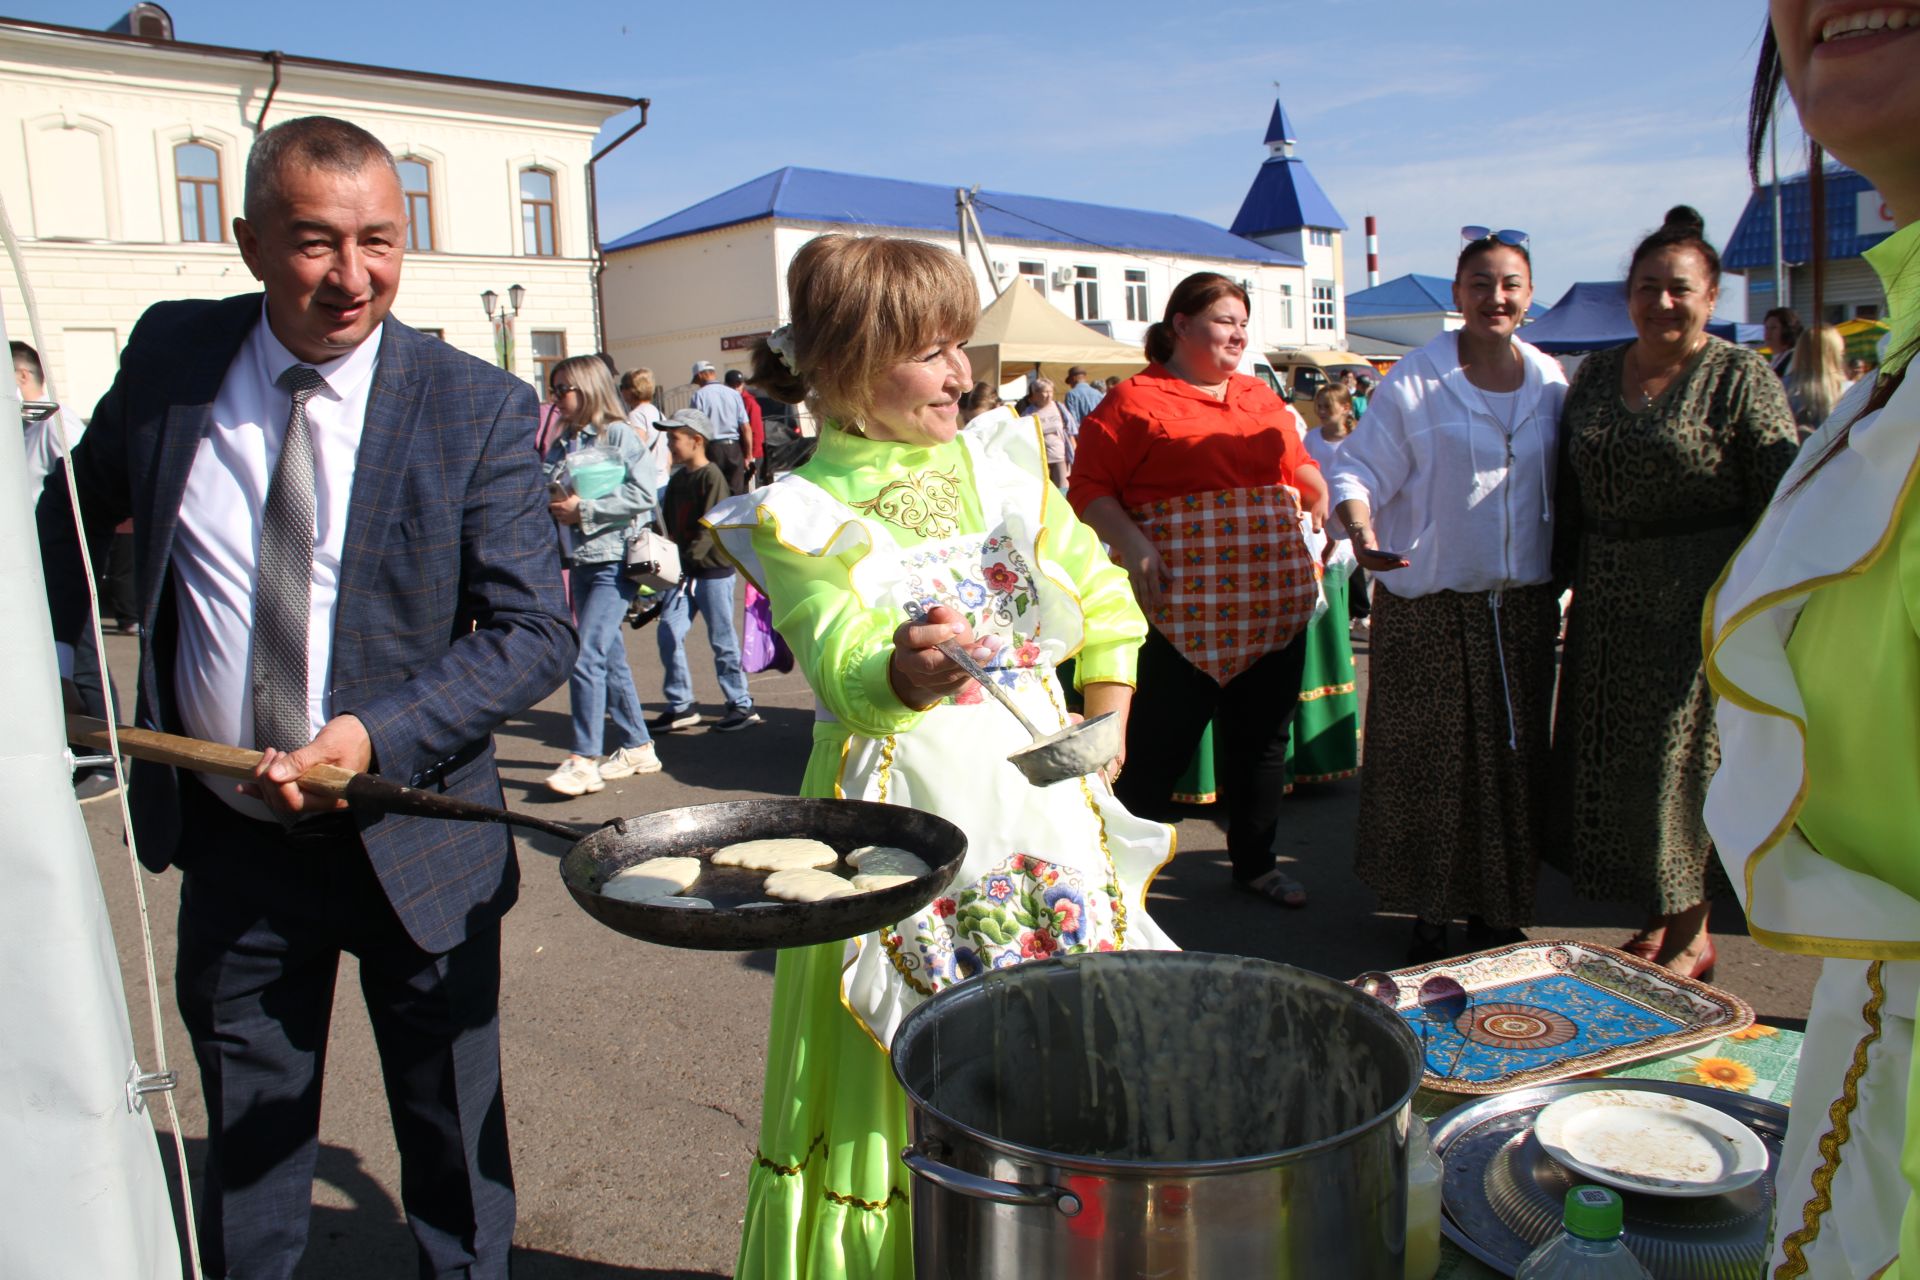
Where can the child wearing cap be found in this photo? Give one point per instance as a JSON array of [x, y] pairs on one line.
[[706, 583]]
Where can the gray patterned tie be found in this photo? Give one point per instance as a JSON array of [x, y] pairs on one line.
[[283, 588]]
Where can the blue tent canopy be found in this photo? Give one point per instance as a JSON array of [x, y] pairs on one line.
[[1592, 316]]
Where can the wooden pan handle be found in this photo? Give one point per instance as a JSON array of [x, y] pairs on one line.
[[202, 757]]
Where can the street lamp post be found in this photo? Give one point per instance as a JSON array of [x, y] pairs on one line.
[[503, 322]]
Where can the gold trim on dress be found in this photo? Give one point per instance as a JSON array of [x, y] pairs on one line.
[[790, 1170], [894, 1196], [1840, 1116], [926, 504], [1806, 944], [1326, 691]]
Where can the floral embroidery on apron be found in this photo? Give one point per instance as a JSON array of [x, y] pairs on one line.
[[1027, 905]]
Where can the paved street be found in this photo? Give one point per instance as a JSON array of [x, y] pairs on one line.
[[633, 1071]]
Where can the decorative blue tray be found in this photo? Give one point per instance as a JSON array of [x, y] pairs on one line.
[[1544, 1011]]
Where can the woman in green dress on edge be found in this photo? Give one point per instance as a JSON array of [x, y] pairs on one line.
[[1813, 646]]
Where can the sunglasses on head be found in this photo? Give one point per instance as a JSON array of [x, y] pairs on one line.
[[1508, 236]]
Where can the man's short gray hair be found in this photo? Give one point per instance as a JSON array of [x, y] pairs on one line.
[[314, 142]]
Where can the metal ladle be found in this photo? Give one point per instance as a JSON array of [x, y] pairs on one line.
[[1072, 752]]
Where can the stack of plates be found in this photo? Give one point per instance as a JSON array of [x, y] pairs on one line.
[[1693, 1166]]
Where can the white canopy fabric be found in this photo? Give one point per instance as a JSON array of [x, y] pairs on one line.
[[1021, 329], [82, 1192]]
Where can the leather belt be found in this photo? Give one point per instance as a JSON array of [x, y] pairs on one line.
[[1632, 530]]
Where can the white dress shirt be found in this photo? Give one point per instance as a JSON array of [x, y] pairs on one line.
[[48, 441], [1458, 481], [216, 547]]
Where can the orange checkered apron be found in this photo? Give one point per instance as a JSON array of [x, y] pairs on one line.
[[1244, 583]]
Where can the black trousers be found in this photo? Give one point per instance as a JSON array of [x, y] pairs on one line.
[[732, 461], [1252, 712], [263, 920]]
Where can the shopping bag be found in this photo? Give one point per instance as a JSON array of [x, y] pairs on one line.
[[762, 648]]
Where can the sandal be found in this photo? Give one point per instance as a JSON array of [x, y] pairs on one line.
[[1277, 886]]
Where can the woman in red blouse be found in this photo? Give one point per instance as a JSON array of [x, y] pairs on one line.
[[1195, 476]]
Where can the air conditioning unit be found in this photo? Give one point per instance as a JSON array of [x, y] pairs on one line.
[[1062, 277], [1001, 270]]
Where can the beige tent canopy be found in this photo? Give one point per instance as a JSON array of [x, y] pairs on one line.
[[1022, 329]]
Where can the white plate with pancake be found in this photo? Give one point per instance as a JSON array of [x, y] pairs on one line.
[[1651, 1142]]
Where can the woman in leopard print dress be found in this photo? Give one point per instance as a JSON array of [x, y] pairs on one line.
[[1670, 449]]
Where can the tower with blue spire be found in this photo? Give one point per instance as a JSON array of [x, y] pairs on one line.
[[1286, 209]]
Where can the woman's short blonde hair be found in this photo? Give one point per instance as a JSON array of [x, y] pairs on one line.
[[599, 402], [1043, 384], [860, 305], [639, 384]]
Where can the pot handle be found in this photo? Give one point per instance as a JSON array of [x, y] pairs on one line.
[[975, 1187]]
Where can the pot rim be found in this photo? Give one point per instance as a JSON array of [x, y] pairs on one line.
[[919, 1106]]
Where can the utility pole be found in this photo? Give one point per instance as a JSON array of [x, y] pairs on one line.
[[963, 206], [1780, 297]]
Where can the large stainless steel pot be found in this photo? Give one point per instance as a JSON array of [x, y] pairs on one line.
[[1163, 1114]]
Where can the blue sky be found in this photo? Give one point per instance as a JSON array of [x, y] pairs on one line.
[[1580, 123]]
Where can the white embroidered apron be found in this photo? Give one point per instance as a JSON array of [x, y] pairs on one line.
[[1049, 870]]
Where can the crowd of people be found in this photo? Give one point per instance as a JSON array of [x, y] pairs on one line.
[[1178, 549]]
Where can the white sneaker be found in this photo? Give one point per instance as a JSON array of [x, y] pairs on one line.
[[630, 760], [576, 776]]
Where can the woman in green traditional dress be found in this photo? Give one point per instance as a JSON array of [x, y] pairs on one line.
[[1670, 448], [897, 508], [1813, 646]]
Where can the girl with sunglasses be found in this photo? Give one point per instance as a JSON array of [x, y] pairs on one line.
[[1447, 494]]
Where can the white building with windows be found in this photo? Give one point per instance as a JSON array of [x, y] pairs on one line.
[[127, 165], [706, 282]]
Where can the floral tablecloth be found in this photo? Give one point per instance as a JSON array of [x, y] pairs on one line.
[[1761, 1061]]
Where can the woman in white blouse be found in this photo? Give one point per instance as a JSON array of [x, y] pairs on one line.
[[1446, 488]]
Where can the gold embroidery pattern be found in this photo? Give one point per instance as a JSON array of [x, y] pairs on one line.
[[791, 1170], [926, 504], [1840, 1114], [871, 1206], [895, 1194]]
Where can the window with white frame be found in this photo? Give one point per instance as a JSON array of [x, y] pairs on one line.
[[1136, 291], [1035, 274], [1286, 306], [196, 177], [1320, 236], [1323, 305], [536, 214], [416, 185], [1086, 293]]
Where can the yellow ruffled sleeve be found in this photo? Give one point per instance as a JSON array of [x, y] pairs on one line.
[[1115, 627], [842, 646]]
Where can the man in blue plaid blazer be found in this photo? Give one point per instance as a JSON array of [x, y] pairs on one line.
[[435, 611]]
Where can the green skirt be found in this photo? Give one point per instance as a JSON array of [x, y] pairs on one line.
[[827, 1194], [1324, 745]]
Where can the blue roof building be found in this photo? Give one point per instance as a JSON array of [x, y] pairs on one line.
[[820, 195], [1856, 219], [1286, 210], [706, 282]]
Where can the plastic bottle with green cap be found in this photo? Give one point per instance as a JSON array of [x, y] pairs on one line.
[[1589, 1245]]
